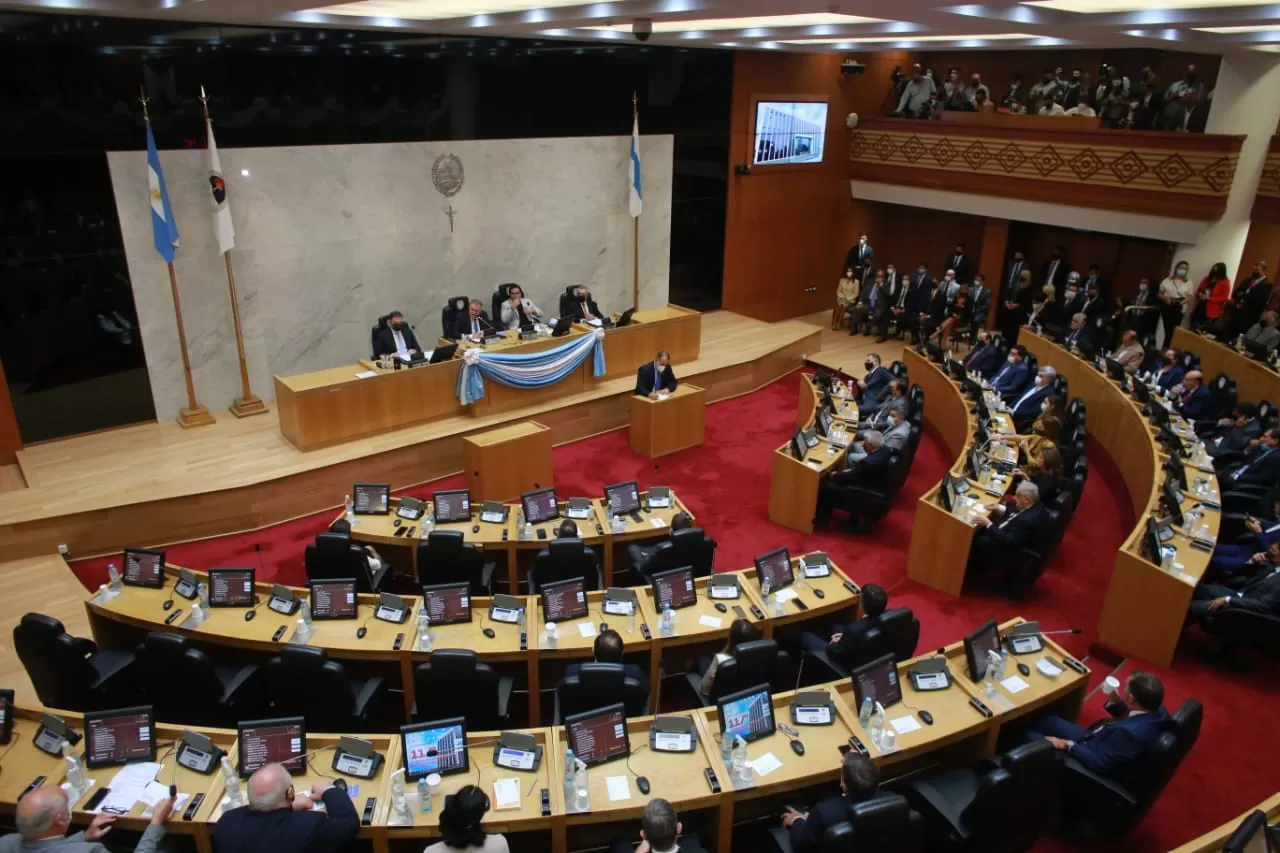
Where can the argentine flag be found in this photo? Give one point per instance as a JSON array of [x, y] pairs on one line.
[[163, 227], [633, 178]]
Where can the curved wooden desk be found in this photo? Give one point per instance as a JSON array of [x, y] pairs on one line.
[[1212, 841], [1146, 605], [793, 488], [959, 735], [1255, 381]]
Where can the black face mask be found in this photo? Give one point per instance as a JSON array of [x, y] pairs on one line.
[[1167, 360], [399, 327], [869, 365]]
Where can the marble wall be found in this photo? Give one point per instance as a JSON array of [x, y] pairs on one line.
[[332, 236]]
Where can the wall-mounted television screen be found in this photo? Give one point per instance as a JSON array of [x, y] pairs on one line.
[[789, 132]]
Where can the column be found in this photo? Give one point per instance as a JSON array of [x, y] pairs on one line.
[[995, 243], [1244, 103]]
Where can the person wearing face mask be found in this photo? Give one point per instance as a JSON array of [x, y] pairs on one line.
[[1017, 307], [950, 286], [861, 259], [1054, 271], [984, 359], [1261, 463], [1073, 297], [1211, 297], [1169, 373], [911, 304], [1043, 92], [1013, 272], [954, 94], [394, 337], [846, 297], [875, 384], [519, 311], [979, 301], [1079, 337], [1234, 434], [1012, 379], [1142, 311], [583, 308], [1046, 313], [961, 264], [1263, 336], [1249, 300], [1071, 89], [1094, 280], [976, 88], [895, 294], [1027, 407], [933, 309], [1130, 354], [1174, 293], [1014, 95], [872, 303]]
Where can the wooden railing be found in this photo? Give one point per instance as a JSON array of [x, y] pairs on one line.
[[1167, 174]]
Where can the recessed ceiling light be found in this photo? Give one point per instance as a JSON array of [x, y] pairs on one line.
[[1094, 7], [908, 37], [1269, 48], [1252, 28], [804, 20], [433, 10]]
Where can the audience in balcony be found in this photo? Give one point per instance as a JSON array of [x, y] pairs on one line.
[[1015, 95], [977, 87], [1188, 114], [983, 104], [917, 94], [1043, 93]]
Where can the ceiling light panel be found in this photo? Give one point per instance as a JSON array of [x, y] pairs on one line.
[[816, 19], [435, 10], [1254, 28], [1097, 7], [908, 37]]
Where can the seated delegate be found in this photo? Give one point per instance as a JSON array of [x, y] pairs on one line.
[[985, 358], [1012, 379], [43, 817], [867, 472], [842, 644], [875, 384], [895, 437], [1027, 407], [460, 825], [394, 337], [583, 308], [1169, 374], [474, 324], [655, 377], [1230, 559], [1131, 354], [280, 820], [660, 832], [741, 631], [1260, 467], [1192, 399], [879, 418], [1263, 335], [517, 311], [640, 555], [859, 780], [1237, 433], [609, 648], [1007, 530], [1256, 588]]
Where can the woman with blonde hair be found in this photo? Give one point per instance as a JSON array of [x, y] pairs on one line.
[[846, 295]]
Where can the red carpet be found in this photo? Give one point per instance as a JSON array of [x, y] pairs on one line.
[[726, 483]]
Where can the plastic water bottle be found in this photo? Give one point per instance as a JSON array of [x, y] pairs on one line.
[[988, 679], [570, 766], [778, 605], [75, 770], [740, 768], [726, 749], [114, 579], [668, 620], [231, 783], [1004, 664], [428, 523], [399, 808], [550, 635], [877, 725], [831, 447], [104, 593], [424, 795], [527, 533], [424, 630], [203, 590], [581, 787], [304, 611], [631, 619], [864, 715], [196, 617], [350, 510]]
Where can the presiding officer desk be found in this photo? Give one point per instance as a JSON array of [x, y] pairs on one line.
[[793, 488], [1146, 604], [960, 734], [343, 403], [940, 539]]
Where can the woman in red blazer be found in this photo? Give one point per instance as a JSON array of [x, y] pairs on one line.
[[1212, 296]]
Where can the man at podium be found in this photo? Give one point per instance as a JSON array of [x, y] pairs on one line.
[[656, 376]]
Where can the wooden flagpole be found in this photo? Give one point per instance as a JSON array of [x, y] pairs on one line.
[[247, 403], [635, 226], [194, 414]]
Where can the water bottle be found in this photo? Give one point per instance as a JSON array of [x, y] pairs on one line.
[[527, 533], [428, 523], [75, 771], [581, 787], [350, 510], [203, 590], [765, 589], [231, 783], [631, 619], [988, 678], [831, 447], [570, 765], [877, 725], [1240, 342], [864, 715], [104, 594], [668, 620], [726, 749], [304, 610], [1004, 663], [424, 630], [522, 622], [549, 635], [399, 808], [196, 617], [740, 768], [113, 577]]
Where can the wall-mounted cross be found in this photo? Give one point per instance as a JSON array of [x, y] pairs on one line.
[[450, 212]]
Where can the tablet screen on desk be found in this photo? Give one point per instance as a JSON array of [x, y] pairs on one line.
[[372, 498], [435, 747], [334, 599], [747, 714], [623, 498], [564, 600], [144, 567], [452, 506], [282, 740], [119, 736], [774, 568], [674, 588], [600, 735], [231, 587], [878, 680], [540, 505], [448, 603]]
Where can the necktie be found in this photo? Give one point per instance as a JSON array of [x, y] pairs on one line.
[[902, 298], [400, 347], [1053, 268], [1246, 466], [586, 312], [1014, 273], [657, 377], [875, 289], [475, 326]]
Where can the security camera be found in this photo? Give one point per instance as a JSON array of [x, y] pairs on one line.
[[642, 28]]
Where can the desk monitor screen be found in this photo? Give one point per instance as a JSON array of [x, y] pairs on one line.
[[144, 567], [119, 737], [600, 735], [231, 587], [435, 747], [448, 603], [823, 421], [674, 587], [879, 680], [799, 446], [540, 505], [947, 494], [452, 506], [1151, 541], [334, 599], [1141, 393], [775, 568], [1173, 500], [372, 498], [747, 713], [622, 498], [976, 645], [564, 600], [282, 740], [1177, 471]]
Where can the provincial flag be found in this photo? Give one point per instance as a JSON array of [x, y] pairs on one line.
[[222, 225], [163, 227], [633, 177]]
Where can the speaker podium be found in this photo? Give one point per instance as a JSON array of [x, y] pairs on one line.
[[675, 422], [502, 463]]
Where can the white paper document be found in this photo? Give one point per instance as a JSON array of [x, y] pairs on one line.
[[1014, 684], [587, 629], [902, 725], [710, 621], [657, 522], [619, 788], [785, 594], [506, 793], [765, 764], [366, 374]]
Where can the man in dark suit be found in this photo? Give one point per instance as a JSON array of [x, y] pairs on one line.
[[583, 307], [278, 820], [655, 376], [1005, 531], [640, 554], [1027, 407], [1238, 561], [608, 648], [875, 384], [1093, 280], [906, 308], [894, 290], [861, 258], [879, 418], [858, 782], [868, 472], [1114, 749], [933, 308], [394, 337], [1013, 272], [1011, 380], [1169, 374], [1054, 271], [1249, 300], [660, 832], [1188, 116], [1261, 466], [1237, 432], [843, 640], [1079, 336], [985, 358], [1095, 303], [960, 261], [1194, 401], [1072, 297], [979, 302], [473, 324]]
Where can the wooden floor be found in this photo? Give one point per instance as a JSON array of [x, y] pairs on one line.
[[44, 585], [843, 353], [117, 478]]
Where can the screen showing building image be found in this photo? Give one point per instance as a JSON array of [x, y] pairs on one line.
[[789, 132]]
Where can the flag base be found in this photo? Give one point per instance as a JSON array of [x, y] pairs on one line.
[[248, 406], [197, 416]]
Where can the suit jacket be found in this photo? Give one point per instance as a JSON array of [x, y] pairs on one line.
[[925, 281], [286, 831], [1012, 379], [911, 305], [384, 342], [1198, 405], [76, 843], [511, 317], [575, 309], [1250, 299], [936, 307], [877, 386], [1082, 338], [980, 307], [1267, 337], [1104, 286], [868, 472], [1262, 595], [893, 289], [1236, 439], [462, 324], [1116, 748], [1093, 308], [1025, 413], [896, 437], [878, 294], [1017, 529], [1260, 468], [984, 359], [1170, 377], [806, 834], [1012, 271], [860, 256], [880, 419], [1059, 275], [646, 376], [962, 264]]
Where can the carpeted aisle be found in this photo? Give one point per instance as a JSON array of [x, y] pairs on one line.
[[726, 483]]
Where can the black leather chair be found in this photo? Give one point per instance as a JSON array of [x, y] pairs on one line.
[[453, 684], [373, 335], [1189, 360], [870, 504], [1245, 836], [1072, 453], [1077, 412], [1000, 805], [898, 369], [563, 559], [1095, 805], [303, 682], [1223, 389], [915, 400], [595, 685], [754, 662], [886, 823], [690, 547], [443, 557], [72, 673], [449, 313], [184, 685], [567, 300], [333, 556], [897, 632], [501, 295], [1236, 628]]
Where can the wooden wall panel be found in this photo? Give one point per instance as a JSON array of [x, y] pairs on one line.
[[10, 437], [1122, 259], [907, 235]]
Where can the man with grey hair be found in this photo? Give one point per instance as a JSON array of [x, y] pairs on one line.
[[582, 307], [1004, 531], [1078, 336], [1027, 408], [867, 470], [473, 324], [279, 820], [879, 418], [894, 438], [44, 815], [660, 832], [1263, 336]]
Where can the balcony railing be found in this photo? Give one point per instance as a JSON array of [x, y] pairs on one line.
[[1181, 175]]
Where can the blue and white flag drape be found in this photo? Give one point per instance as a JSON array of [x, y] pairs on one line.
[[633, 172], [533, 370], [163, 226]]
